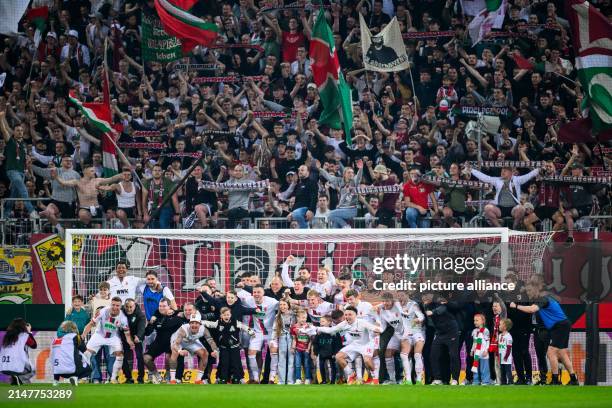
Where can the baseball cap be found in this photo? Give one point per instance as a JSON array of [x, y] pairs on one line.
[[380, 168], [195, 318], [52, 34], [73, 33], [311, 85]]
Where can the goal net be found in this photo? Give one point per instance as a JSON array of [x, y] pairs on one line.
[[186, 259]]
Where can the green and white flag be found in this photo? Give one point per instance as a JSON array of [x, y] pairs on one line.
[[492, 16], [334, 92], [156, 44]]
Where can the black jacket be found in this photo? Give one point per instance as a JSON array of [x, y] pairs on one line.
[[306, 194], [137, 322], [208, 310], [443, 320], [238, 309]]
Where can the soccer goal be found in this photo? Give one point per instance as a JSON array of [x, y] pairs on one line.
[[186, 259]]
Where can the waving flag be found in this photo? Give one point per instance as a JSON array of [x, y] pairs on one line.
[[491, 17], [592, 39], [99, 118], [38, 16], [333, 90], [178, 22]]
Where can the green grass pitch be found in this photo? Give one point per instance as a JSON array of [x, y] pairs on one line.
[[319, 396]]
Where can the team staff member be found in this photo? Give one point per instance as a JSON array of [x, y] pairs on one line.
[[137, 323], [555, 320], [67, 355]]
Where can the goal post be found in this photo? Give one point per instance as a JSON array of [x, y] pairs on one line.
[[185, 259]]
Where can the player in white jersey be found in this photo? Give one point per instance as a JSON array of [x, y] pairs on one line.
[[326, 282], [108, 323], [262, 322], [67, 356], [356, 337], [389, 313], [186, 341], [124, 286], [413, 337], [343, 283], [366, 312], [317, 307]]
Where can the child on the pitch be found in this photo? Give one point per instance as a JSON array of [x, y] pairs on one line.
[[325, 346], [228, 340], [505, 351], [480, 351], [301, 347]]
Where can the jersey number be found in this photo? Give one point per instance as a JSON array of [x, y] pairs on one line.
[[6, 359], [56, 362]]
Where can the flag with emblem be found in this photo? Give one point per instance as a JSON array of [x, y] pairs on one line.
[[492, 16]]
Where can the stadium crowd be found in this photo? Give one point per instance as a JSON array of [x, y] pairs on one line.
[[309, 328], [256, 121]]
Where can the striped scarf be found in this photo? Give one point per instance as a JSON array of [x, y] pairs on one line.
[[494, 337], [477, 350]]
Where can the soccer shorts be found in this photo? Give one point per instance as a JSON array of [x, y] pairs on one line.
[[559, 334], [394, 342], [156, 348], [352, 350], [256, 342], [414, 338], [97, 341], [190, 346]]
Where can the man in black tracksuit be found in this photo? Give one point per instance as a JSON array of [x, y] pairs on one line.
[[522, 327], [446, 336], [164, 322], [306, 194], [137, 322]]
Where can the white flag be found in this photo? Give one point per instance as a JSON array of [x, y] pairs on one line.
[[472, 7], [485, 21], [385, 51], [11, 12]]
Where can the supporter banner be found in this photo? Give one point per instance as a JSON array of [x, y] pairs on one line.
[[282, 115], [47, 254], [451, 182], [194, 155], [384, 52], [395, 188], [474, 111], [580, 179], [227, 186], [157, 45], [147, 146], [146, 133], [229, 78], [507, 163], [196, 67], [15, 275], [256, 47], [219, 133], [417, 35]]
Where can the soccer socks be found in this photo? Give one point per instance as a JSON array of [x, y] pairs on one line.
[[273, 366], [118, 364], [376, 368], [172, 375], [200, 375], [407, 363], [254, 367], [359, 368], [390, 368], [418, 365], [348, 371], [87, 354]]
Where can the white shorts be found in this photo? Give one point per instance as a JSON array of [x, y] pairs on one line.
[[190, 346], [395, 341], [414, 338], [353, 350], [256, 342], [97, 341]]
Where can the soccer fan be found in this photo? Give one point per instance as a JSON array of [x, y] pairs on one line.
[[346, 209], [127, 193], [555, 320], [300, 346], [165, 324], [137, 323], [77, 313], [505, 352], [14, 355], [186, 341], [109, 322], [228, 329], [87, 191], [507, 195], [480, 351], [324, 347], [418, 198], [280, 344], [67, 355], [154, 193], [261, 322]]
